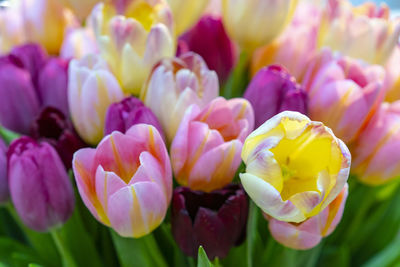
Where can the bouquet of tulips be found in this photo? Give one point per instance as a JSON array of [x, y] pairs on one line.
[[156, 133]]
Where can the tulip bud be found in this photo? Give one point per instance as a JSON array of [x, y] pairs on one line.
[[186, 13], [11, 29], [174, 85], [91, 90], [130, 111], [309, 233], [4, 194], [215, 220], [392, 79], [134, 43], [53, 84], [376, 151], [54, 128], [209, 39], [126, 182], [272, 91], [80, 8], [39, 184], [19, 104], [343, 93], [243, 18], [211, 137], [78, 43], [295, 167]]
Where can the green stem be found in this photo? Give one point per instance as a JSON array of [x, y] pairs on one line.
[[67, 259], [269, 251], [7, 135], [238, 80], [251, 234], [153, 248]]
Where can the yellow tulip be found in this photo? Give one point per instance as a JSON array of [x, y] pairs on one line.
[[186, 13]]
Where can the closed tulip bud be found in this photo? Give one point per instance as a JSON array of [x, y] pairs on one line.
[[209, 39], [211, 137], [45, 22], [174, 85], [295, 167], [297, 44], [215, 220], [39, 184], [309, 233], [134, 43], [130, 111], [376, 151], [126, 182], [243, 19], [272, 91], [392, 79], [343, 93], [186, 13], [365, 32], [4, 194], [81, 9], [78, 43], [11, 29], [91, 90], [19, 104], [53, 84], [54, 128]]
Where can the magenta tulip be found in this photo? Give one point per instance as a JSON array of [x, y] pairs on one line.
[[39, 184], [4, 194]]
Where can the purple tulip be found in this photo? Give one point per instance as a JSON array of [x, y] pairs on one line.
[[39, 184], [53, 84], [209, 39], [273, 90], [130, 111], [4, 194], [215, 220], [53, 127], [32, 57], [19, 104]]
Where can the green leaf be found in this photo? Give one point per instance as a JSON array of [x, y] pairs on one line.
[[138, 252], [251, 233], [34, 265], [14, 253], [202, 259], [387, 257]]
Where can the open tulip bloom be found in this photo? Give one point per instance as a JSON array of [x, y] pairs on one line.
[[215, 133]]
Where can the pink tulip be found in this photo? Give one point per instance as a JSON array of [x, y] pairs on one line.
[[126, 182], [205, 153], [376, 151], [392, 79], [343, 93], [310, 232]]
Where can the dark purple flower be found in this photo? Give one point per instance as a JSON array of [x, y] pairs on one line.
[[209, 39], [130, 111], [273, 90], [215, 220], [39, 184], [4, 194], [54, 128]]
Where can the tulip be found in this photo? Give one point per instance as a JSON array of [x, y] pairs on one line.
[[54, 128], [175, 85], [130, 111], [273, 90], [53, 84], [309, 233], [134, 43], [211, 137], [80, 8], [343, 93], [215, 220], [45, 22], [392, 80], [4, 194], [295, 47], [209, 39], [11, 29], [366, 33], [91, 90], [186, 13], [78, 43], [376, 151], [245, 19], [39, 184], [19, 104], [295, 167], [126, 182]]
